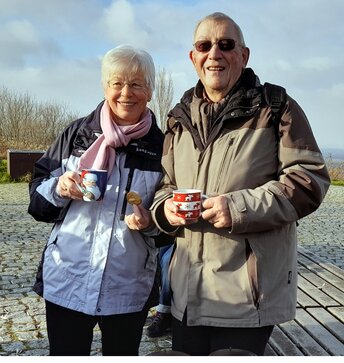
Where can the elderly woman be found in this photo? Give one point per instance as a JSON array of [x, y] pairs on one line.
[[99, 264]]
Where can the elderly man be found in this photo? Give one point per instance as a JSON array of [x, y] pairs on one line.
[[234, 270]]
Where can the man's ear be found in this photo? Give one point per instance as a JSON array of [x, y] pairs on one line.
[[192, 56], [245, 55]]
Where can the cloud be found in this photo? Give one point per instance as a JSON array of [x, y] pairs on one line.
[[55, 12], [159, 27], [72, 83], [124, 26], [164, 29], [53, 48], [20, 41], [318, 63]]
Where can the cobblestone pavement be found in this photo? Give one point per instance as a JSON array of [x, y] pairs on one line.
[[322, 232], [22, 317]]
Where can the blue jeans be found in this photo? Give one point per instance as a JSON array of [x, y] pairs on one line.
[[165, 254]]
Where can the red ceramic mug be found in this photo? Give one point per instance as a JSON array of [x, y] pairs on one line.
[[189, 202]]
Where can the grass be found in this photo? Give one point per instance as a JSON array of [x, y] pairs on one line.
[[338, 182], [6, 178], [336, 171]]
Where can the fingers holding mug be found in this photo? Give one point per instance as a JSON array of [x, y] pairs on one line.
[[216, 212], [67, 185]]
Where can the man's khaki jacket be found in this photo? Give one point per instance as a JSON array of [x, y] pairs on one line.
[[246, 275]]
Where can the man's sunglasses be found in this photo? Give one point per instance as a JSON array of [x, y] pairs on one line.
[[225, 45]]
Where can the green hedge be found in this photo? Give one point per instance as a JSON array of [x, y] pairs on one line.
[[6, 178]]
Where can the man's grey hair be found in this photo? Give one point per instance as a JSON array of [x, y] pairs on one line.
[[221, 17]]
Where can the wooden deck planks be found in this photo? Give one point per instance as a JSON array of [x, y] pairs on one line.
[[316, 293], [302, 339], [317, 331], [329, 321], [282, 344], [305, 301], [338, 312], [335, 270], [326, 287]]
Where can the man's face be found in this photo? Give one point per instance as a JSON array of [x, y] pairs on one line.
[[218, 70]]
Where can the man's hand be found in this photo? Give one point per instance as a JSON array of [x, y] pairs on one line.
[[170, 210], [217, 212]]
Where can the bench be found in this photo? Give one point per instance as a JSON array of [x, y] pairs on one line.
[[318, 328]]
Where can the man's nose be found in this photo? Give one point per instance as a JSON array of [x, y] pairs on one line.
[[215, 52]]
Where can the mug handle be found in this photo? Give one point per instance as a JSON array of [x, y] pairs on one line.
[[82, 190]]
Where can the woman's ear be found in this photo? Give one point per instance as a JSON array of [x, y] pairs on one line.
[[149, 96]]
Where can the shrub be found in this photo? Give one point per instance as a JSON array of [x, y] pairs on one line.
[[336, 170], [6, 178]]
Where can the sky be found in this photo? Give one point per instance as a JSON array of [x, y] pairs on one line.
[[52, 49]]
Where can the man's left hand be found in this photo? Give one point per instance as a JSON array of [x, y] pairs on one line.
[[217, 212]]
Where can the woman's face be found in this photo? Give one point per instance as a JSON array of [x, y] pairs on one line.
[[127, 97]]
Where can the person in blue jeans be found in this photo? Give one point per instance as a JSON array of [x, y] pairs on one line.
[[162, 320]]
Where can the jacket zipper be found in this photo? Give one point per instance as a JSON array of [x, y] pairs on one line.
[[146, 260], [230, 143], [127, 188]]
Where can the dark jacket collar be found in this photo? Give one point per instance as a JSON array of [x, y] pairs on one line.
[[242, 100]]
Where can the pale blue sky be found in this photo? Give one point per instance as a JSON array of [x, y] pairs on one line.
[[52, 48]]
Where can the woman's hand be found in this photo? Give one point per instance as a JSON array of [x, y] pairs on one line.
[[67, 185], [140, 219]]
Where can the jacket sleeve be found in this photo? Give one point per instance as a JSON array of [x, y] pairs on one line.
[[45, 204], [166, 187], [301, 185]]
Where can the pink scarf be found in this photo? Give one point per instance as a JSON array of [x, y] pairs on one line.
[[101, 154]]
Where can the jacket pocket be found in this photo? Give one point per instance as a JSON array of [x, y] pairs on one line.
[[227, 156], [251, 261]]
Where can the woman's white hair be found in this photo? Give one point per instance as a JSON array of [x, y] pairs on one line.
[[126, 59]]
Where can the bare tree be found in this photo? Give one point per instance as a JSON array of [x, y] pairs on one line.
[[162, 98], [27, 124], [14, 112]]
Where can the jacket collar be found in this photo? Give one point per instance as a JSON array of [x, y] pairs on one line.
[[242, 101]]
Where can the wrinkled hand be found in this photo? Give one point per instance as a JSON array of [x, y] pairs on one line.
[[170, 210], [67, 185], [140, 219], [217, 212]]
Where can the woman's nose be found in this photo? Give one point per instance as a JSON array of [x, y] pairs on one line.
[[126, 90]]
